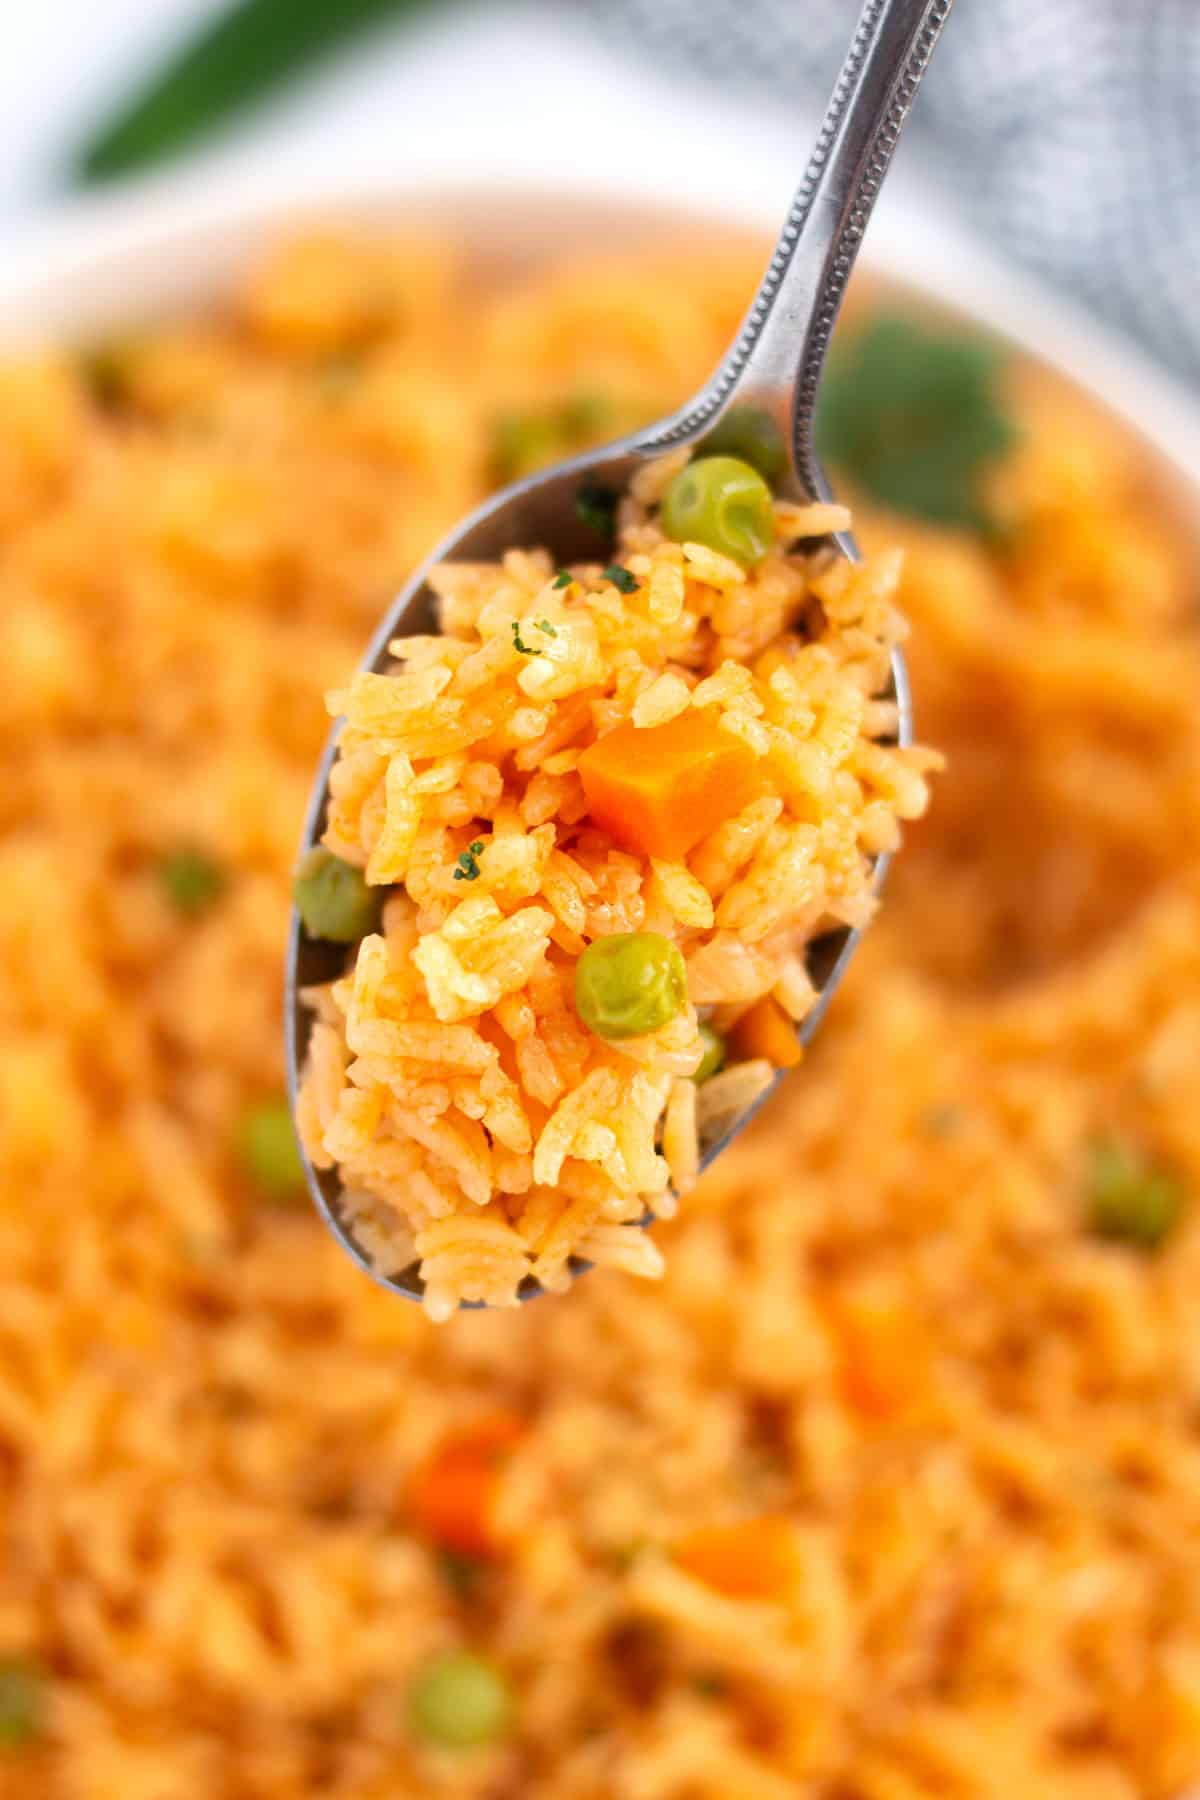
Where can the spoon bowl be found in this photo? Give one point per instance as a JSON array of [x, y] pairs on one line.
[[540, 510]]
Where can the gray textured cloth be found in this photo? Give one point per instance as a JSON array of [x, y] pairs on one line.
[[1069, 129]]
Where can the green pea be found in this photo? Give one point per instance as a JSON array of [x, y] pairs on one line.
[[722, 502], [630, 983], [269, 1149], [522, 442], [713, 1060], [749, 432], [191, 880], [333, 898], [459, 1700], [586, 414], [1128, 1199], [21, 1702]]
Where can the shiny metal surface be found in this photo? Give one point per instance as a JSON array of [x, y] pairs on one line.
[[774, 363]]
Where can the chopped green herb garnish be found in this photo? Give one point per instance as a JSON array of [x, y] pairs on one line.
[[549, 629], [708, 1684], [22, 1702], [467, 868], [230, 60], [563, 579], [621, 578], [1128, 1199], [192, 880], [916, 417], [525, 649], [596, 505]]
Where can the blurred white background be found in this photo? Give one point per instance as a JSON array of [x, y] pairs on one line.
[[484, 87], [1064, 137], [460, 90]]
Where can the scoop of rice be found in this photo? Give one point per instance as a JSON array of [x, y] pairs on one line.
[[480, 1127]]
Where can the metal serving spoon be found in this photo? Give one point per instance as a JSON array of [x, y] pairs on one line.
[[774, 368]]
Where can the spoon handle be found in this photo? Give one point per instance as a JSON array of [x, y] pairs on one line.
[[779, 353]]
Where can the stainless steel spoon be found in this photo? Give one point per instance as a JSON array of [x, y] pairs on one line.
[[773, 367]]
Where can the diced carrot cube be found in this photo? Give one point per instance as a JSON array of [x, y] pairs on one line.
[[766, 1031], [662, 789], [451, 1497]]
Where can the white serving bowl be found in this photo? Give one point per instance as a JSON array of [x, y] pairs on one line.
[[174, 243]]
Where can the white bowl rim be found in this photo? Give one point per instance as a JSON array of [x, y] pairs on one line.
[[151, 245]]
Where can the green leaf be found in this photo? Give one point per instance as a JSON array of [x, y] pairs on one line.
[[227, 66], [916, 417]]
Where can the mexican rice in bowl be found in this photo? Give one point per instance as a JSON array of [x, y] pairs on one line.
[[891, 1487]]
